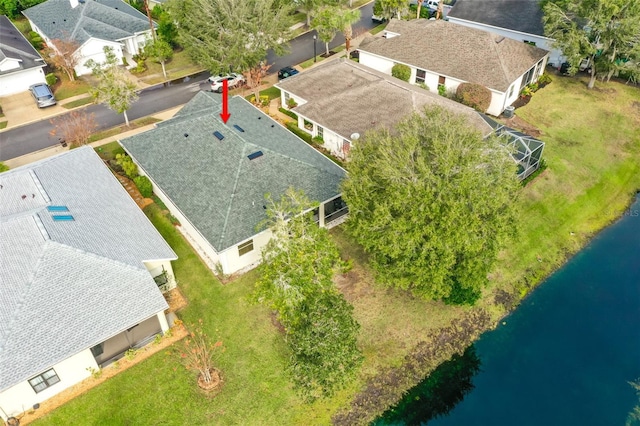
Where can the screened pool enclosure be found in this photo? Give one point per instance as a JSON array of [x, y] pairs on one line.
[[525, 150]]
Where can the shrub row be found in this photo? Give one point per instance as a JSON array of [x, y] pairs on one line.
[[289, 113], [293, 126]]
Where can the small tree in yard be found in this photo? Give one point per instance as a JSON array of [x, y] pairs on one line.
[[159, 51], [326, 24], [345, 20], [199, 353], [253, 78], [296, 280], [114, 89], [75, 127], [474, 95], [62, 55]]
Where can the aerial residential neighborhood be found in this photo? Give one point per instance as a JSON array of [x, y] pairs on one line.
[[283, 213]]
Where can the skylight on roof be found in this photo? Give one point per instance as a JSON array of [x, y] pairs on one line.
[[62, 218], [255, 155], [218, 135], [238, 128], [57, 208]]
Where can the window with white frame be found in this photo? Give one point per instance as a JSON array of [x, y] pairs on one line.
[[511, 91], [421, 76], [287, 96], [245, 247], [320, 132], [44, 380]]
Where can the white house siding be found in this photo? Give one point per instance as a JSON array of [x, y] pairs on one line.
[[376, 62], [285, 96], [231, 260], [94, 49], [20, 81], [555, 56], [22, 397]]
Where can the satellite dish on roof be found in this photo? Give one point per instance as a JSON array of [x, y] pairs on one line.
[[355, 136]]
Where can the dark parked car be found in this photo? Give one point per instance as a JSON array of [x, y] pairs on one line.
[[42, 94], [287, 72]]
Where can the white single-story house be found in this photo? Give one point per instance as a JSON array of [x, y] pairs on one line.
[[77, 272], [341, 109], [213, 177], [20, 64], [440, 53], [516, 19], [92, 24]]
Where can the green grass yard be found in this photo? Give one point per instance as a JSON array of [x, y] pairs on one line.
[[593, 146]]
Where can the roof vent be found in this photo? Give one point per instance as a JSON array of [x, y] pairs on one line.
[[186, 135], [499, 39], [255, 155], [62, 218], [259, 118], [273, 125], [238, 128], [218, 135]]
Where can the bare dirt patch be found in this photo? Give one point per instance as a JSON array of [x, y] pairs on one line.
[[175, 299], [522, 125]]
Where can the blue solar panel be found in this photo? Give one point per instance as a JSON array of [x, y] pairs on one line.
[[218, 135], [62, 217], [57, 208], [254, 155], [238, 128]]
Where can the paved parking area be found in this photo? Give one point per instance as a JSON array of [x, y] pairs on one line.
[[21, 109]]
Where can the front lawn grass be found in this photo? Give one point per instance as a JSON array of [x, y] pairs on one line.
[[78, 103], [592, 151], [66, 89], [179, 66], [133, 124]]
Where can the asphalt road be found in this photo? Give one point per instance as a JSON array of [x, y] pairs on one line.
[[34, 137]]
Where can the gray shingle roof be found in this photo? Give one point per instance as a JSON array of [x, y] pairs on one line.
[[66, 286], [14, 45], [348, 98], [104, 19], [452, 50], [213, 183], [519, 15]]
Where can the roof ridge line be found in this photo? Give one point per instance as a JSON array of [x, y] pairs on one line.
[[233, 193]]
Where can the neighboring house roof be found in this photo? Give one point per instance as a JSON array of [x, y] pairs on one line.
[[524, 16], [110, 20], [213, 182], [66, 286], [13, 46], [348, 98], [456, 51]]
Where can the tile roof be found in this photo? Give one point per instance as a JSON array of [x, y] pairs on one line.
[[456, 51], [519, 15], [340, 95], [66, 286], [213, 183], [13, 45], [110, 20]]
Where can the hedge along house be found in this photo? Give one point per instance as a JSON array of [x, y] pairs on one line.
[[213, 177], [442, 54], [76, 276], [93, 24], [341, 109]]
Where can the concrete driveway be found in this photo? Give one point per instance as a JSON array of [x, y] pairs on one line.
[[21, 108]]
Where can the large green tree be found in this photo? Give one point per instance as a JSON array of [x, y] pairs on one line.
[[296, 275], [326, 25], [231, 35], [113, 89], [431, 203], [607, 32]]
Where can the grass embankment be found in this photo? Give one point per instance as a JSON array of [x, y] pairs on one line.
[[593, 146], [180, 65]]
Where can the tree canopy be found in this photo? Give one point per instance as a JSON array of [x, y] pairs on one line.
[[113, 89], [431, 203], [230, 35], [607, 32], [296, 274]]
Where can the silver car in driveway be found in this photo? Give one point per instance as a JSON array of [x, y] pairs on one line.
[[42, 94]]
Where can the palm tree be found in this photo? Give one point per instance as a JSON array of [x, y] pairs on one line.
[[345, 19]]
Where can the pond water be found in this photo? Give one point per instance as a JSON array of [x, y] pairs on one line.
[[564, 357]]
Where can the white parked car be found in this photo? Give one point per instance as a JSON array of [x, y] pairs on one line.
[[232, 78]]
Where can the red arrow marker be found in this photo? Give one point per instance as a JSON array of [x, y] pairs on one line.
[[225, 101]]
